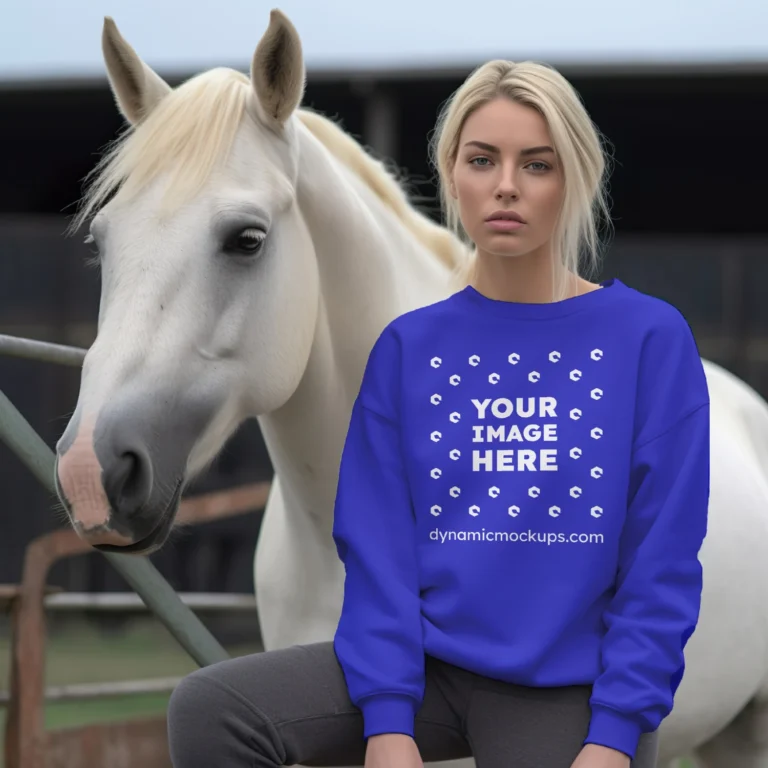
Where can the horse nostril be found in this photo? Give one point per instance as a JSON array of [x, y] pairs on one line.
[[130, 472], [128, 482]]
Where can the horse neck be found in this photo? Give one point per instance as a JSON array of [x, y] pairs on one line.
[[372, 269]]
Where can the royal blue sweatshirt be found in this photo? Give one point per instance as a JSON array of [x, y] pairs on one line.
[[523, 493]]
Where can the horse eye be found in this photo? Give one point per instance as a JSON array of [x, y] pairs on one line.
[[247, 242], [94, 259]]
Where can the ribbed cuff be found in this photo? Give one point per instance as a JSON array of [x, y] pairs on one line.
[[612, 729], [388, 713]]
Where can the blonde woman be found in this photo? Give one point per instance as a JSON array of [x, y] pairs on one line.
[[522, 495]]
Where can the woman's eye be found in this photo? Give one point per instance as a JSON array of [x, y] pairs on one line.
[[247, 242], [474, 161], [542, 166]]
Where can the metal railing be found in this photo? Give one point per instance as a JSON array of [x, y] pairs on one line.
[[41, 350], [117, 602], [28, 744], [139, 572], [28, 603]]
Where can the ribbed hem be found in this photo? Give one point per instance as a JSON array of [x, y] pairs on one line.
[[612, 729], [388, 713]]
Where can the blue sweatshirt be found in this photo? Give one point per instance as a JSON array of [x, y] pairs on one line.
[[523, 493]]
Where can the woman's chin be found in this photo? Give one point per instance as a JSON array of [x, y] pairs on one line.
[[508, 246], [507, 250]]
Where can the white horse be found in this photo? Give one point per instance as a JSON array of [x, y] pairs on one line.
[[251, 253]]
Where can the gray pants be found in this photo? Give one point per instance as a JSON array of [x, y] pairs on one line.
[[291, 706]]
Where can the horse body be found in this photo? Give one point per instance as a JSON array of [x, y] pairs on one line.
[[720, 707], [196, 334]]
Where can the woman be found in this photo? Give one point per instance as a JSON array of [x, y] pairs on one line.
[[522, 495]]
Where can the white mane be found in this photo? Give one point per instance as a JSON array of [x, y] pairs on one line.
[[193, 128]]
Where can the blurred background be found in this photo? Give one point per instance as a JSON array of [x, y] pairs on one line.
[[679, 89]]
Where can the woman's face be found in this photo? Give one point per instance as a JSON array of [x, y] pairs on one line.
[[506, 168]]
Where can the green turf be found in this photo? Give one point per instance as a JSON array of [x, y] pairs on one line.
[[64, 715]]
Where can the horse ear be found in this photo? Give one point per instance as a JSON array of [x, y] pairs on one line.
[[136, 87], [277, 69]]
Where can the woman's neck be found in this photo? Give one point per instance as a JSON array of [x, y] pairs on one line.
[[527, 279]]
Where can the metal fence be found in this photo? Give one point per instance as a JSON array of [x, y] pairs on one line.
[[153, 589], [26, 745]]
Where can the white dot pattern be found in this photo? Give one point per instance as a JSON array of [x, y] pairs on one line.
[[587, 412]]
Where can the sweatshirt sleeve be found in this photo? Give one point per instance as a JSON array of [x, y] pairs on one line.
[[378, 641], [655, 607]]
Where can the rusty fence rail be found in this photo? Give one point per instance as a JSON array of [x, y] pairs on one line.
[[122, 744]]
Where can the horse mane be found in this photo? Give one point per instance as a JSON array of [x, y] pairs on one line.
[[383, 183], [188, 132], [195, 125]]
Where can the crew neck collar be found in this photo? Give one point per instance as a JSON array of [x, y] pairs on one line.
[[608, 292]]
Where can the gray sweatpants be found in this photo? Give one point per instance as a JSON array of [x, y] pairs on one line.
[[291, 706]]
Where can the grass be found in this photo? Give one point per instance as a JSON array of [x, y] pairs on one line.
[[66, 714], [78, 653]]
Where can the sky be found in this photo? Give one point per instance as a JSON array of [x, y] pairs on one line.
[[55, 39]]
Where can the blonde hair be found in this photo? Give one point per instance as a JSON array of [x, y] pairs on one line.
[[576, 239]]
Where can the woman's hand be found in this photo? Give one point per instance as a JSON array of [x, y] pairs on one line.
[[393, 750], [596, 756]]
